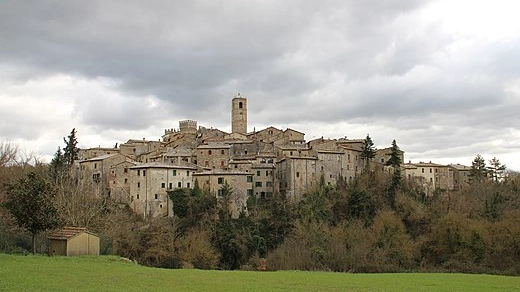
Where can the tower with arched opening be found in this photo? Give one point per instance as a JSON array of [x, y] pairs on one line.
[[239, 115]]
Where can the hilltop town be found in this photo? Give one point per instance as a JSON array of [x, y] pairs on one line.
[[260, 163]]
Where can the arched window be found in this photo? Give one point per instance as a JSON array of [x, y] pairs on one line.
[[240, 105]]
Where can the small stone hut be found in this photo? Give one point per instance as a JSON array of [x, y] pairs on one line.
[[72, 241]]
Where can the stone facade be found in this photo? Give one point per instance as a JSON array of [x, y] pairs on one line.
[[239, 115], [261, 163], [240, 182], [150, 182]]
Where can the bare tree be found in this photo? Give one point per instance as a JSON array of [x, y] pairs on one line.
[[8, 153], [78, 200]]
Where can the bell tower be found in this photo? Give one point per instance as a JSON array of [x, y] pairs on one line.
[[239, 115]]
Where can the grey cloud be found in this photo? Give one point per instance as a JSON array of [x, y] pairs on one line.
[[297, 62]]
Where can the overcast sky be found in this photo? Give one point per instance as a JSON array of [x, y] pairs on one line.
[[442, 78]]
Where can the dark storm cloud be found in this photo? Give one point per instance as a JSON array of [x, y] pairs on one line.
[[386, 66]]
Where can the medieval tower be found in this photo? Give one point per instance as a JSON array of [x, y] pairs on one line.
[[239, 115]]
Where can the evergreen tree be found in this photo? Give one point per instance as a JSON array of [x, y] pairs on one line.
[[395, 162], [368, 152], [57, 164], [30, 202], [71, 150], [496, 169], [478, 171]]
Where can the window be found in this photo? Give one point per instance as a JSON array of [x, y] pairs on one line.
[[187, 185], [126, 180], [174, 172], [179, 185], [95, 165], [163, 185], [249, 178], [138, 184], [267, 173], [138, 172], [206, 163], [430, 170], [431, 179], [297, 174], [258, 173], [96, 177], [222, 163], [138, 196], [240, 105], [258, 184], [171, 185], [125, 170], [187, 173], [422, 169], [220, 180], [144, 172], [156, 196], [250, 192], [222, 151], [209, 152]]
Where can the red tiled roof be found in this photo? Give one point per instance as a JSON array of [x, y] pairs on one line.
[[66, 233]]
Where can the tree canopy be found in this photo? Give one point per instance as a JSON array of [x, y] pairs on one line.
[[30, 202], [71, 150], [368, 152], [478, 172]]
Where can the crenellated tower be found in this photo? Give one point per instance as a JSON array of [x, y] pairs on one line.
[[239, 115]]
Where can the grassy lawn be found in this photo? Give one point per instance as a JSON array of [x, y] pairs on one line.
[[40, 273]]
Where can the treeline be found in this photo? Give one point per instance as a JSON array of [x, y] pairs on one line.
[[377, 223], [344, 228]]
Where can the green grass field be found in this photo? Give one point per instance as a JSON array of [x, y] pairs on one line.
[[107, 273]]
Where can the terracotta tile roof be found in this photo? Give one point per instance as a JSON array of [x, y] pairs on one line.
[[66, 233]]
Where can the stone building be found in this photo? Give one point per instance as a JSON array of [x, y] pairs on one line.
[[213, 155], [99, 168], [240, 182], [261, 163], [149, 183], [296, 175], [239, 115], [430, 176], [119, 181], [459, 176], [134, 148]]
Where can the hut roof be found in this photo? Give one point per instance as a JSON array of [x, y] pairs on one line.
[[66, 233]]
